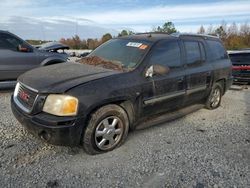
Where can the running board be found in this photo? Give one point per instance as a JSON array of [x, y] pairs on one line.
[[7, 84], [168, 116]]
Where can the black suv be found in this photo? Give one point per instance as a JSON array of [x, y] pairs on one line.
[[94, 106], [17, 56]]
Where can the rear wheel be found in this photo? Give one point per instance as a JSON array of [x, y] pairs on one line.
[[106, 130], [214, 98]]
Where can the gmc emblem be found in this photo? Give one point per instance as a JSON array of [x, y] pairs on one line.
[[24, 96]]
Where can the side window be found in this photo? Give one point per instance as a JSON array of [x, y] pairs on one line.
[[4, 44], [11, 43], [193, 53], [218, 51], [166, 53]]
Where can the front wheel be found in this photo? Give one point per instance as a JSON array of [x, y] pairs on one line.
[[107, 129], [214, 98]]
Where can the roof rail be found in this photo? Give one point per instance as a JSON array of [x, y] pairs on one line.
[[178, 34], [193, 35], [148, 33]]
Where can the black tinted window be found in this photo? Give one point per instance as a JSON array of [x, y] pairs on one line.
[[166, 53], [192, 52], [240, 58], [3, 43], [218, 51], [10, 42]]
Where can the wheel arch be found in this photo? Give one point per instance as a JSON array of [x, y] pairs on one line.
[[126, 104], [51, 61], [222, 81]]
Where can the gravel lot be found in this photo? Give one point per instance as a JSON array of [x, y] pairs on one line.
[[203, 149]]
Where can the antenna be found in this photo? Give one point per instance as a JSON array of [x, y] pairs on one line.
[[76, 32], [43, 33]]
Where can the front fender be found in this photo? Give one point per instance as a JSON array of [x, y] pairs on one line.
[[130, 105]]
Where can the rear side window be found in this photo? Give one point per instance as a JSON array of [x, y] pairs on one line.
[[218, 51], [195, 52], [166, 53]]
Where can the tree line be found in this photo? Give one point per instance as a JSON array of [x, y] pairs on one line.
[[76, 43], [234, 36]]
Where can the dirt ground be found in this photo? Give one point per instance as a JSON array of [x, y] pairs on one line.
[[203, 149]]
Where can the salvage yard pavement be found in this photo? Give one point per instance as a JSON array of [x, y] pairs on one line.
[[203, 149]]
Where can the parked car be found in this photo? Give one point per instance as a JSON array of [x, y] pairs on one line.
[[241, 65], [153, 74], [17, 57], [84, 54], [53, 47]]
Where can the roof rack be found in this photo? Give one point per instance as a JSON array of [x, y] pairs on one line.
[[193, 35], [179, 34], [151, 33]]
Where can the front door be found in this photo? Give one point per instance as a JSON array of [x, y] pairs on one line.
[[14, 60], [168, 90]]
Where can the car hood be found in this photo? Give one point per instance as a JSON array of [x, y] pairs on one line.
[[53, 46], [61, 77]]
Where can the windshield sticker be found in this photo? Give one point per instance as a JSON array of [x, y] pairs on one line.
[[143, 47], [134, 44]]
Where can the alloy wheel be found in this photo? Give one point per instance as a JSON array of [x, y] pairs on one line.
[[216, 97], [108, 133]]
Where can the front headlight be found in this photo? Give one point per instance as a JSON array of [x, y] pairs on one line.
[[61, 105]]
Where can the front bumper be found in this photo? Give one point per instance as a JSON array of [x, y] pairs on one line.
[[65, 131], [241, 74], [242, 79]]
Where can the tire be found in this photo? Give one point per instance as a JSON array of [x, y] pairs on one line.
[[107, 129], [214, 98]]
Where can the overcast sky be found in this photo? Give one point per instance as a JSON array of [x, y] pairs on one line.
[[54, 19]]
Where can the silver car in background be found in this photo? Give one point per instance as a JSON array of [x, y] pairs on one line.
[[17, 56]]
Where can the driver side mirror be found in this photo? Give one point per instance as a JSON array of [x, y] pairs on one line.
[[157, 70]]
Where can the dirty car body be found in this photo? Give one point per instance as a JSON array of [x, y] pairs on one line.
[[160, 74], [17, 56]]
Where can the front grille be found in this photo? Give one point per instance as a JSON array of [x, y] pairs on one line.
[[244, 75], [241, 73], [26, 97]]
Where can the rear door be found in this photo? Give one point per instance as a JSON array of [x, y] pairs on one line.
[[169, 89], [14, 61], [198, 70]]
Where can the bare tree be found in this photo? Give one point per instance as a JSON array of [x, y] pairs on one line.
[[210, 30], [245, 29], [201, 30], [233, 29]]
